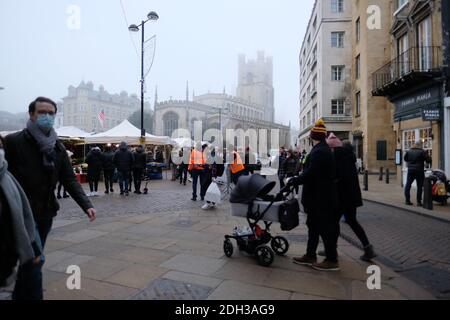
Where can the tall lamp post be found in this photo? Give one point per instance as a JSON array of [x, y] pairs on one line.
[[152, 16]]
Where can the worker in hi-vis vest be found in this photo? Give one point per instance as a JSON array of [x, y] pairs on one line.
[[197, 167]]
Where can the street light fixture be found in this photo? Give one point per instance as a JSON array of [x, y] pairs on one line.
[[152, 16]]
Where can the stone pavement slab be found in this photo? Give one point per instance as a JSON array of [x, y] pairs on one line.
[[235, 290], [194, 264], [136, 276]]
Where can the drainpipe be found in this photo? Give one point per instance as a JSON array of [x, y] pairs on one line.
[[446, 92]]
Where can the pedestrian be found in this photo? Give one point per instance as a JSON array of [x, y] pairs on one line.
[[197, 165], [291, 166], [123, 161], [236, 166], [281, 171], [349, 193], [250, 161], [60, 185], [19, 239], [319, 199], [108, 169], [159, 157], [416, 158], [183, 167], [94, 161], [139, 164], [38, 160]]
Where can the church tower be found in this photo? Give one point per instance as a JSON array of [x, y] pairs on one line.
[[255, 83]]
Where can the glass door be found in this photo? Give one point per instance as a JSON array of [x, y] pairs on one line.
[[424, 44]]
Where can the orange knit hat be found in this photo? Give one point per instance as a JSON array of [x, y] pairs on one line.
[[319, 132]]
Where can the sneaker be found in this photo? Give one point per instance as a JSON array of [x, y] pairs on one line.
[[326, 266], [369, 254], [304, 261], [322, 253], [194, 199], [207, 206], [89, 194]]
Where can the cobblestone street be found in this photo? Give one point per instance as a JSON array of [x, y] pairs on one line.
[[162, 246]]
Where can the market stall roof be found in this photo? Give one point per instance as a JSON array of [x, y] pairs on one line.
[[71, 132], [187, 142], [128, 133]]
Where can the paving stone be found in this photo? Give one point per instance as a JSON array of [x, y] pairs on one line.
[[193, 279], [56, 257], [56, 245], [158, 243], [361, 292], [136, 276], [144, 256], [81, 236], [194, 264], [165, 289], [307, 297], [102, 268], [58, 223], [111, 226], [98, 248], [235, 290], [75, 260], [197, 248], [245, 273]]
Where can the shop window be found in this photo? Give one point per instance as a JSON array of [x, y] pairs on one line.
[[381, 150]]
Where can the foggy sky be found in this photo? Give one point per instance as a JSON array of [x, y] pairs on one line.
[[197, 41]]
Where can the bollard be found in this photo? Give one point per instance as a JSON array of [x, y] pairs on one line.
[[387, 176], [366, 180], [427, 194], [381, 174]]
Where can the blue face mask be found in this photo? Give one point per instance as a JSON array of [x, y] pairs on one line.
[[45, 121]]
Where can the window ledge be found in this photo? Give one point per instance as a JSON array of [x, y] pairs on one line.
[[401, 8]]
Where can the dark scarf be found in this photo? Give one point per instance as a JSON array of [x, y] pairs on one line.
[[46, 144]]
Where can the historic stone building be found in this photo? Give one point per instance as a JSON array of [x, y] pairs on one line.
[[372, 134], [325, 70], [83, 105], [413, 79], [215, 110]]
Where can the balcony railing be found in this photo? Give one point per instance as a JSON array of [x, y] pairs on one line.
[[411, 66]]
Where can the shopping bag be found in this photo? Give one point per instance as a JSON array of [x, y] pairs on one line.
[[213, 194]]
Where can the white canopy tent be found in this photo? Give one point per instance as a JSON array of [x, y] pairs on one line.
[[128, 133], [71, 133]]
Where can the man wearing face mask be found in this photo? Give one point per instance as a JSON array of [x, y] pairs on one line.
[[38, 160]]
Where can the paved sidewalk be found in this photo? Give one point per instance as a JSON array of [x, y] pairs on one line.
[[151, 247], [392, 194]]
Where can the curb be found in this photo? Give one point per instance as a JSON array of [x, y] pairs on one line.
[[408, 210]]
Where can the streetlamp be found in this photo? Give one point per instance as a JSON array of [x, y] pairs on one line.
[[152, 16]]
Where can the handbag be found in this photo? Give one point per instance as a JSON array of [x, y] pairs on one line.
[[288, 215]]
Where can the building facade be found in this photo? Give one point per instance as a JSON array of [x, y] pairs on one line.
[[215, 111], [372, 131], [325, 70], [413, 80], [83, 104]]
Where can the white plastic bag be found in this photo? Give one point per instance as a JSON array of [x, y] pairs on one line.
[[213, 194]]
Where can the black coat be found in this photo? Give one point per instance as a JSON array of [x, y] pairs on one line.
[[123, 160], [291, 166], [318, 178], [416, 159], [94, 160], [25, 163], [107, 161], [349, 191], [140, 160]]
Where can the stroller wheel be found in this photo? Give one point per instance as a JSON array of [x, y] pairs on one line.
[[228, 248], [265, 255], [280, 245]]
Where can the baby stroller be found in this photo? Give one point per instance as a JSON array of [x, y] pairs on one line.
[[250, 200], [441, 186]]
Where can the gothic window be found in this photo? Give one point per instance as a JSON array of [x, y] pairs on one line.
[[170, 121]]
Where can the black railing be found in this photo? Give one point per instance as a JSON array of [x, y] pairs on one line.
[[415, 60]]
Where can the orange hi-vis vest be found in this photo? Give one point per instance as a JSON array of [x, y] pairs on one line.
[[237, 165], [197, 161]]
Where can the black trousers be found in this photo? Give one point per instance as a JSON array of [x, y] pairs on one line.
[[183, 173], [137, 177], [419, 177], [60, 186], [322, 225], [109, 179], [93, 181], [350, 219]]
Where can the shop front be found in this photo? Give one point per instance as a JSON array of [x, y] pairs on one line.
[[418, 119]]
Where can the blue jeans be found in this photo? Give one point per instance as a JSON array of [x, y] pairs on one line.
[[124, 180], [29, 276]]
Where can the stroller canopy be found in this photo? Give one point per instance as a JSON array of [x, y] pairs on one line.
[[251, 187]]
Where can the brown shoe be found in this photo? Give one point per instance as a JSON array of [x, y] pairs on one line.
[[326, 266], [305, 260]]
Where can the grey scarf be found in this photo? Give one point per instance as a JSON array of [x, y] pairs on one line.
[[21, 215], [46, 143]]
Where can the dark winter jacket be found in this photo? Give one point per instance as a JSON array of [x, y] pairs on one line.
[[319, 181], [108, 164], [416, 159], [94, 160], [25, 163], [140, 159], [123, 160], [291, 166], [349, 191]]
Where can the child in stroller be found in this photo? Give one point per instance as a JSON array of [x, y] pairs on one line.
[[441, 186], [250, 199]]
